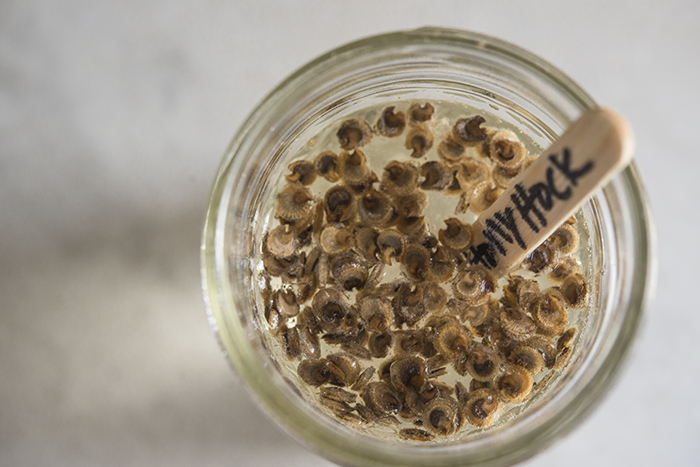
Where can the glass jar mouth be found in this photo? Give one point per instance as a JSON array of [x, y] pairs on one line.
[[344, 72]]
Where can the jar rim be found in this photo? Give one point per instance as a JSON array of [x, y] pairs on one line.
[[314, 433]]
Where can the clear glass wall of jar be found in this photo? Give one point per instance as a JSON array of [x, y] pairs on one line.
[[425, 64]]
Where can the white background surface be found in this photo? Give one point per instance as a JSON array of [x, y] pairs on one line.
[[113, 119]]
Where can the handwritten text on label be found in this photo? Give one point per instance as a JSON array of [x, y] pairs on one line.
[[529, 206]]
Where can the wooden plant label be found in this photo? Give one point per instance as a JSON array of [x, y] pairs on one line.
[[594, 149]]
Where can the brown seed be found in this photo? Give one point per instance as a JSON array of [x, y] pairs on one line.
[[289, 340], [294, 203], [366, 242], [471, 173], [303, 172], [483, 362], [306, 288], [442, 265], [421, 113], [474, 284], [340, 204], [457, 235], [375, 276], [504, 177], [376, 312], [337, 407], [482, 196], [323, 270], [566, 339], [295, 267], [384, 370], [564, 239], [344, 369], [455, 187], [326, 164], [416, 261], [469, 131], [342, 337], [541, 258], [545, 347], [400, 178], [337, 394], [329, 310], [475, 385], [505, 150], [515, 384], [308, 319], [521, 293], [493, 335], [367, 414], [413, 228], [415, 434], [430, 242], [353, 420], [360, 188], [314, 372], [335, 238], [408, 374], [312, 261], [364, 378], [281, 242], [335, 401], [349, 270], [451, 150], [352, 167], [381, 397], [356, 350], [461, 393], [375, 208], [575, 290], [308, 342], [564, 267], [434, 297], [528, 358], [391, 245], [380, 343], [517, 325], [462, 205], [409, 342], [436, 175], [419, 140], [408, 304], [411, 205], [387, 420], [549, 313], [476, 315], [390, 123], [482, 407], [452, 340], [562, 358], [442, 416], [272, 316], [414, 404], [353, 133], [286, 301]]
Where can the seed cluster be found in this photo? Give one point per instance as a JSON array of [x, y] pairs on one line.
[[439, 342]]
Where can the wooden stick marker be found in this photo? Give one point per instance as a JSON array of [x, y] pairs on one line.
[[591, 151]]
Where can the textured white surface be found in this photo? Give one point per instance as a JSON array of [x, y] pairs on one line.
[[113, 118]]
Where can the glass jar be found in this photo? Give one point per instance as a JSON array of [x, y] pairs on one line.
[[422, 65]]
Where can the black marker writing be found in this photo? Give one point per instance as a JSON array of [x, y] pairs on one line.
[[530, 203], [563, 166]]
